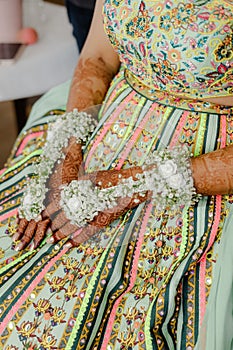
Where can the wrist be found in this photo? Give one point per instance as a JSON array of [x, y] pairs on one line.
[[76, 124], [166, 176], [213, 172]]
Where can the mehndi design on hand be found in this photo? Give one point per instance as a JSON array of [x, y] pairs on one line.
[[213, 172], [90, 83]]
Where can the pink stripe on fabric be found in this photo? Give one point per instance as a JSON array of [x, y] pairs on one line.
[[8, 214], [26, 139], [106, 128], [224, 131], [26, 294], [76, 233], [9, 198], [133, 139], [2, 170], [133, 275], [179, 128], [202, 293]]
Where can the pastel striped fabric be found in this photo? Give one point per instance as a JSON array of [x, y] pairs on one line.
[[144, 281]]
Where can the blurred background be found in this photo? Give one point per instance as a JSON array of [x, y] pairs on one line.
[[9, 127]]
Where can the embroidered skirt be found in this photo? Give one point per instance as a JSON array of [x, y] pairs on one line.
[[146, 280]]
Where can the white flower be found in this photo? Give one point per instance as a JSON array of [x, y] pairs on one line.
[[74, 204], [27, 199], [167, 169], [176, 181]]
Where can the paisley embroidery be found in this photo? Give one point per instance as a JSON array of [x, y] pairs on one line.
[[177, 47]]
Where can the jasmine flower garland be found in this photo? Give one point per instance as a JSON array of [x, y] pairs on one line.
[[72, 124], [169, 178]]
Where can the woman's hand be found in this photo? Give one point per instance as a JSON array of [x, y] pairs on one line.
[[64, 172], [70, 168], [103, 219], [54, 218], [103, 179]]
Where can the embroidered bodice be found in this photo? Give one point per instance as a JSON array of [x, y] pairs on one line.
[[184, 48]]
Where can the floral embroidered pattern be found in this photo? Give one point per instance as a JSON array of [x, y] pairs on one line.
[[224, 51], [175, 46]]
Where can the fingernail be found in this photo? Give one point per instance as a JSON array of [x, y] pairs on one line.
[[50, 240], [14, 238], [68, 245], [19, 247], [38, 218], [32, 246]]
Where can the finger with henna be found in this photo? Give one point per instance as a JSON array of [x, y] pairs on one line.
[[27, 235], [83, 236], [40, 233], [63, 232], [22, 225], [58, 221]]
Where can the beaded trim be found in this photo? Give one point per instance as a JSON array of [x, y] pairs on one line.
[[72, 124]]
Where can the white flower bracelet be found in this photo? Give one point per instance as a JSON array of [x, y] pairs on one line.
[[169, 179], [77, 124]]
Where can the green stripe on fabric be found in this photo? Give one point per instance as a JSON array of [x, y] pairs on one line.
[[22, 257], [200, 135], [20, 277], [118, 262], [169, 343], [14, 262], [197, 306], [179, 325], [148, 337], [21, 162], [86, 300]]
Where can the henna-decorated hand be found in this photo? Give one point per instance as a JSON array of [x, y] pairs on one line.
[[70, 168], [64, 172], [53, 217], [104, 179], [102, 220]]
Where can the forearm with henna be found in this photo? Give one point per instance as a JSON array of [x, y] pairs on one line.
[[90, 83], [109, 178], [213, 172]]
